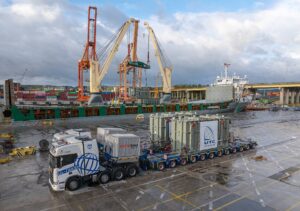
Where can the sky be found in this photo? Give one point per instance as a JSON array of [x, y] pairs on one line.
[[259, 38]]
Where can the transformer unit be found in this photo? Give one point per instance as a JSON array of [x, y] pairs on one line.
[[159, 124], [194, 133]]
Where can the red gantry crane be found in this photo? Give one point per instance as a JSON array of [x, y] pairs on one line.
[[89, 52]]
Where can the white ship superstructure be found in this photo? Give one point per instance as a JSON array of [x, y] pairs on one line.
[[236, 81]]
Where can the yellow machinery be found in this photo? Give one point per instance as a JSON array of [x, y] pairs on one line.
[[22, 151], [48, 122], [7, 136], [5, 159]]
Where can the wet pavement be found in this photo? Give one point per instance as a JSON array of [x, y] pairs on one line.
[[234, 182]]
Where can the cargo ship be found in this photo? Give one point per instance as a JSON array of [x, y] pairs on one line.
[[226, 88], [50, 106], [239, 101]]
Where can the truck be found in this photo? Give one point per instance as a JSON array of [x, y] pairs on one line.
[[76, 159]]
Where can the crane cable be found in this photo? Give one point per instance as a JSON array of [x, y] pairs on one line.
[[165, 60], [102, 52]]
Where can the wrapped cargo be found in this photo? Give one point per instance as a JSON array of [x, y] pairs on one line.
[[224, 125], [185, 133], [208, 135], [199, 133], [102, 133], [123, 147], [159, 126]]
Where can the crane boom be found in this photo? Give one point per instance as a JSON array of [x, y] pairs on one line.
[[166, 72], [96, 73]]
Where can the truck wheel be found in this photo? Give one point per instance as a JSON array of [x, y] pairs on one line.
[[73, 184], [132, 170], [118, 174], [241, 149], [172, 164], [193, 159], [227, 152], [220, 153], [183, 161], [234, 150], [211, 155], [202, 157], [247, 147], [104, 177], [161, 166]]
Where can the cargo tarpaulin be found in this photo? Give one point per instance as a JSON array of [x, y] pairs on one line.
[[208, 135]]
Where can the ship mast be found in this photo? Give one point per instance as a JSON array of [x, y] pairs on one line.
[[226, 65]]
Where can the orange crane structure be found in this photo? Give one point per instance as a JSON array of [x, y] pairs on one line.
[[89, 53], [131, 64]]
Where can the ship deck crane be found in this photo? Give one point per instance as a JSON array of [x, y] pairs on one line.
[[97, 73], [165, 69], [131, 64], [125, 68]]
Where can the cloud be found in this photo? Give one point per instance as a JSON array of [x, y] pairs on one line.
[[47, 38], [31, 11], [259, 43]]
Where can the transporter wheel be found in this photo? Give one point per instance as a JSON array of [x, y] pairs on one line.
[[132, 170], [183, 161], [193, 159], [227, 152], [234, 150], [118, 173], [202, 157], [172, 164], [161, 166], [220, 153], [241, 149], [73, 184], [104, 177], [211, 155], [247, 147]]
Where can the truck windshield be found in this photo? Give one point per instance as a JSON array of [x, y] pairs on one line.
[[58, 162], [54, 161]]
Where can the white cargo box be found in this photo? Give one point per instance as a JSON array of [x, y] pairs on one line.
[[124, 147], [102, 133]]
